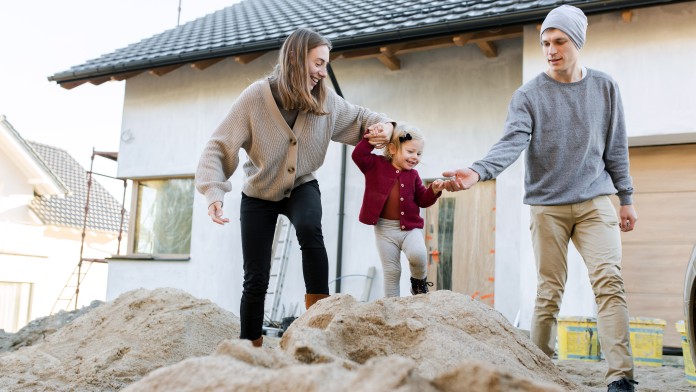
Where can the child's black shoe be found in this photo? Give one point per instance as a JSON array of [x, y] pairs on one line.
[[420, 286]]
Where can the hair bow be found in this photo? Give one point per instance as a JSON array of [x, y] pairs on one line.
[[407, 136]]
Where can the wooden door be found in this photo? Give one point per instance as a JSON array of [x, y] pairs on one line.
[[460, 237]]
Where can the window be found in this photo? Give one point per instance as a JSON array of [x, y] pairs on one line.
[[15, 305], [164, 211]]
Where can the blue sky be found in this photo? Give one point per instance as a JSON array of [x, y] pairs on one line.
[[41, 38]]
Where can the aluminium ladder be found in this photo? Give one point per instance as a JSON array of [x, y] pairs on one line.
[[280, 254]]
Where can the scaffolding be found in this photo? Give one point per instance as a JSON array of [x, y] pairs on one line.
[[71, 290]]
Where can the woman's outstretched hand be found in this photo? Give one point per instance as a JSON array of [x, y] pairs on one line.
[[215, 213]]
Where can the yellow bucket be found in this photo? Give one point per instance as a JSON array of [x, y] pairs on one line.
[[646, 340], [689, 370], [577, 339]]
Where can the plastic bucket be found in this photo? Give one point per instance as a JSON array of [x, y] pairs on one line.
[[689, 370], [577, 339], [646, 340]]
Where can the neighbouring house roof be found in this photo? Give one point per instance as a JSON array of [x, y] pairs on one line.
[[104, 210], [42, 178], [252, 27]]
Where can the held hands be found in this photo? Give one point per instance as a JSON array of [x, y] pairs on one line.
[[215, 213], [462, 179], [628, 217], [438, 186], [379, 134]]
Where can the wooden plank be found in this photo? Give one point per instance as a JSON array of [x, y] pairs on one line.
[[664, 168], [73, 84], [462, 39], [125, 75], [473, 242], [161, 71], [431, 240], [390, 61], [361, 53], [665, 307], [654, 268], [203, 64], [473, 262], [663, 218], [248, 57], [485, 39], [488, 48], [101, 80], [656, 252]]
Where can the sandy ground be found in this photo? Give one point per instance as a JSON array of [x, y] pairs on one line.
[[166, 340]]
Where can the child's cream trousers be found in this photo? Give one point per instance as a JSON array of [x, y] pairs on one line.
[[391, 241]]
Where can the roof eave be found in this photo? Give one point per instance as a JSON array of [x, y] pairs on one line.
[[487, 22], [39, 175]]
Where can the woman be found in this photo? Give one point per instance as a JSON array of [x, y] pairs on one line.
[[284, 123]]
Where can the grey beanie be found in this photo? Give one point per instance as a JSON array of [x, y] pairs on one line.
[[570, 20]]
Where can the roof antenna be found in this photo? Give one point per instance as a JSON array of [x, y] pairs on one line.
[[178, 15]]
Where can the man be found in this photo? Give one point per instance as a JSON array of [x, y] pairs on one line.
[[571, 122]]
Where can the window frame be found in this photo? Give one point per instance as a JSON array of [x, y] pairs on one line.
[[132, 223]]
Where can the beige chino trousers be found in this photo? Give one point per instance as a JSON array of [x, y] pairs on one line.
[[593, 227]]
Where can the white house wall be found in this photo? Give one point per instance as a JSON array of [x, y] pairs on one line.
[[15, 192], [457, 96], [459, 99]]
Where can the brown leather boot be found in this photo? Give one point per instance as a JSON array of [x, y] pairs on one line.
[[258, 342], [311, 299]]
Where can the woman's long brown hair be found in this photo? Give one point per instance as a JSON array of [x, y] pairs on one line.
[[292, 72]]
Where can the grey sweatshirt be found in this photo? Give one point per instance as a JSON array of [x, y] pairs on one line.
[[576, 142]]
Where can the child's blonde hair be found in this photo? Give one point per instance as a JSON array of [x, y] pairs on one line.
[[402, 133]]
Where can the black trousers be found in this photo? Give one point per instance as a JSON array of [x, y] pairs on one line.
[[258, 220]]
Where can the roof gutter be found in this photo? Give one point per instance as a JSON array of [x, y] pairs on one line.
[[434, 30]]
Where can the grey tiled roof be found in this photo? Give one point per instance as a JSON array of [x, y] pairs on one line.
[[104, 210], [261, 25], [27, 148]]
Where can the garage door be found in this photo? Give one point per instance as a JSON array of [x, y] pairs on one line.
[[656, 253]]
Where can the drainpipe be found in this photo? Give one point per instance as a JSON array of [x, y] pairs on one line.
[[342, 194]]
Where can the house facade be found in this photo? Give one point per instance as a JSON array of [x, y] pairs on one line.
[[42, 202], [450, 71]]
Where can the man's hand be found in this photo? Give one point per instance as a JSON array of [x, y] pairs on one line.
[[628, 217], [462, 179], [215, 213]]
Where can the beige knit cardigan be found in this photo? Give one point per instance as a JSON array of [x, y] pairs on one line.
[[279, 158]]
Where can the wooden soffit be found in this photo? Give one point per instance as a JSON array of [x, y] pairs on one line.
[[388, 55]]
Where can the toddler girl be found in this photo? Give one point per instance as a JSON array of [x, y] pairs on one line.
[[394, 194]]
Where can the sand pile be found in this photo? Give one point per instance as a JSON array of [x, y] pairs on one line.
[[436, 330], [37, 330], [119, 342], [165, 340], [440, 342]]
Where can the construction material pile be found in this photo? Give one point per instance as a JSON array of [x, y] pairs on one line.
[[165, 339]]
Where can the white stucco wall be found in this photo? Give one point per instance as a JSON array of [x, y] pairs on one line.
[[15, 192], [458, 98], [44, 256], [652, 58], [456, 95]]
